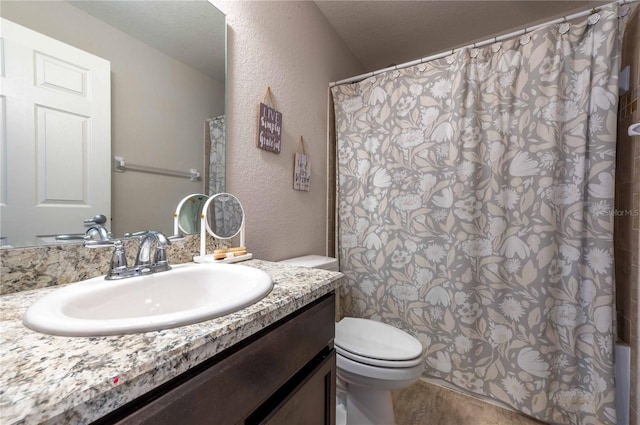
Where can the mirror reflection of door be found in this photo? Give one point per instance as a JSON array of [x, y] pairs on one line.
[[60, 134]]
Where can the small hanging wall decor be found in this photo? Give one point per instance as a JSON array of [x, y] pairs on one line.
[[301, 169], [269, 125]]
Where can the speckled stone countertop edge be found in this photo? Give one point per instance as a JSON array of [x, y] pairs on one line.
[[152, 358]]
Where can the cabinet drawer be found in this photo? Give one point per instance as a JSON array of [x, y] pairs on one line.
[[313, 401], [235, 382]]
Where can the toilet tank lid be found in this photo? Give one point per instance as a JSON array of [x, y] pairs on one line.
[[313, 261]]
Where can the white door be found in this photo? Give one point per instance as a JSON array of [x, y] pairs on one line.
[[55, 153]]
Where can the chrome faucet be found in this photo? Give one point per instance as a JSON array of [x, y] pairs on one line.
[[97, 232], [143, 258], [119, 269]]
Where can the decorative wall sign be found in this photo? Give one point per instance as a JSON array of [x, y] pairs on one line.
[[269, 126], [301, 170]]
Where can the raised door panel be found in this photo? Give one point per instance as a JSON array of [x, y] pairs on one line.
[[62, 145], [55, 74]]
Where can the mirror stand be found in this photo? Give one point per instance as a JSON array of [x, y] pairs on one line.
[[223, 218], [203, 237], [186, 219]]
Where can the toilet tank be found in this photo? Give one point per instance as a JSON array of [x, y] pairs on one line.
[[313, 261]]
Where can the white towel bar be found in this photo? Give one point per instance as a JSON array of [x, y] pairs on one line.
[[120, 166]]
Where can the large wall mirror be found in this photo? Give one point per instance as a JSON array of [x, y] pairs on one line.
[[164, 97]]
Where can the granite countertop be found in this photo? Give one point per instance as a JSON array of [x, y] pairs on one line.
[[76, 380]]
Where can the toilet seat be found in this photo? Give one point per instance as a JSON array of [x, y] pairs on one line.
[[377, 344], [378, 377], [391, 364]]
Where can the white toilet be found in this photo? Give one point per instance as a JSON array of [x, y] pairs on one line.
[[372, 359]]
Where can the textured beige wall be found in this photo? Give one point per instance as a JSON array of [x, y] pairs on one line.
[[140, 76], [290, 47]]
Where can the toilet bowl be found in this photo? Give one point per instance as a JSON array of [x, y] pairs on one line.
[[372, 358]]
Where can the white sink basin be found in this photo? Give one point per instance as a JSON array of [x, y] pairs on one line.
[[186, 294]]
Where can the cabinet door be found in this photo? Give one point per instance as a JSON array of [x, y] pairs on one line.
[[313, 402], [230, 387]]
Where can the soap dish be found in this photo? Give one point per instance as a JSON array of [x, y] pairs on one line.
[[209, 258]]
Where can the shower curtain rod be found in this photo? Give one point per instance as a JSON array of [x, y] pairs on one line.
[[522, 31]]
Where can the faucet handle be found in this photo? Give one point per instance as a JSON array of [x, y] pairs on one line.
[[119, 257]]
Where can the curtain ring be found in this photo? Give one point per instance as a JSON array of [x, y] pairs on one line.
[[395, 72], [593, 19]]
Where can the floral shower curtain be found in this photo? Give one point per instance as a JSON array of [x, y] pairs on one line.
[[474, 197], [216, 155]]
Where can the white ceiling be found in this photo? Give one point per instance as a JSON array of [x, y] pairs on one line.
[[190, 31], [383, 33]]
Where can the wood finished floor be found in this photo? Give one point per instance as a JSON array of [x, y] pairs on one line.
[[427, 404]]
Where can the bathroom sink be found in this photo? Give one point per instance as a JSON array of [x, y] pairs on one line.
[[186, 294]]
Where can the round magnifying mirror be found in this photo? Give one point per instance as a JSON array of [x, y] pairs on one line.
[[224, 216], [188, 214]]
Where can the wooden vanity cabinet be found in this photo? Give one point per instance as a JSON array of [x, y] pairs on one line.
[[312, 402], [284, 374]]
